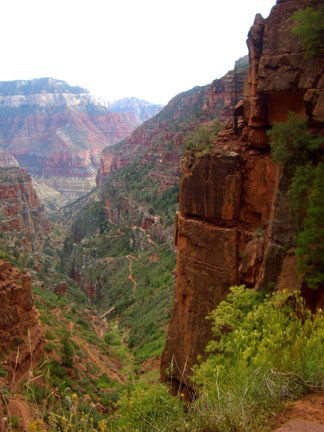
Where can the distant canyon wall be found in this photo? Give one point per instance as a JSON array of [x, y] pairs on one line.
[[21, 212], [160, 139], [57, 132]]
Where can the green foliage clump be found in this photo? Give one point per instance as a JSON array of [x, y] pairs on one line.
[[3, 372], [292, 144], [112, 338], [201, 140], [272, 349], [67, 352], [149, 408], [309, 27], [310, 246]]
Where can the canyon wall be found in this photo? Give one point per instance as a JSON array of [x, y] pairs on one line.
[[22, 215], [57, 132], [19, 329], [160, 139], [234, 224]]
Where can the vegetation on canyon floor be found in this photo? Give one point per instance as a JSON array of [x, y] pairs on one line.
[[273, 352]]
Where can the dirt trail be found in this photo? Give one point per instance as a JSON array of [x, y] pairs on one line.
[[309, 408], [99, 331], [103, 366], [147, 234], [71, 326], [130, 277], [19, 407]]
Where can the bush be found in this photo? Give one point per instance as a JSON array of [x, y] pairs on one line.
[[292, 143], [202, 139], [68, 352], [3, 372], [272, 350], [309, 27], [310, 246], [149, 408]]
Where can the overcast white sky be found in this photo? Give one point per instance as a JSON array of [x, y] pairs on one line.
[[151, 49]]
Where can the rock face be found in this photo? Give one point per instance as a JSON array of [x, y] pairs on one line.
[[7, 160], [234, 223], [159, 140], [143, 110], [58, 132], [18, 318], [21, 212]]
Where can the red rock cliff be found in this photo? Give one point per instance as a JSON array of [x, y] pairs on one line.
[[234, 223], [160, 138], [21, 212], [19, 328]]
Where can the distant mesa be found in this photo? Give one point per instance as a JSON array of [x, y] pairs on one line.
[[7, 160], [143, 109], [57, 131]]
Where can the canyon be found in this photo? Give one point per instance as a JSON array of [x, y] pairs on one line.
[[124, 276], [160, 139], [57, 132]]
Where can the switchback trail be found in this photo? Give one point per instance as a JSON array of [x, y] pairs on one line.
[[130, 276], [19, 407]]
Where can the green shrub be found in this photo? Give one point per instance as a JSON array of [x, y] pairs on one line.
[[56, 370], [149, 408], [50, 347], [201, 140], [36, 393], [300, 185], [309, 27], [112, 339], [68, 352], [15, 422], [83, 323], [2, 371], [310, 247], [104, 382], [49, 335], [272, 349], [292, 143]]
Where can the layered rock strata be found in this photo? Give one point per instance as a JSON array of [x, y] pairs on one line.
[[57, 131], [21, 212], [234, 223], [20, 333], [160, 139]]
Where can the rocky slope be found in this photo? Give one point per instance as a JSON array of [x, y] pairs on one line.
[[22, 215], [57, 132], [234, 223], [159, 140], [19, 328]]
